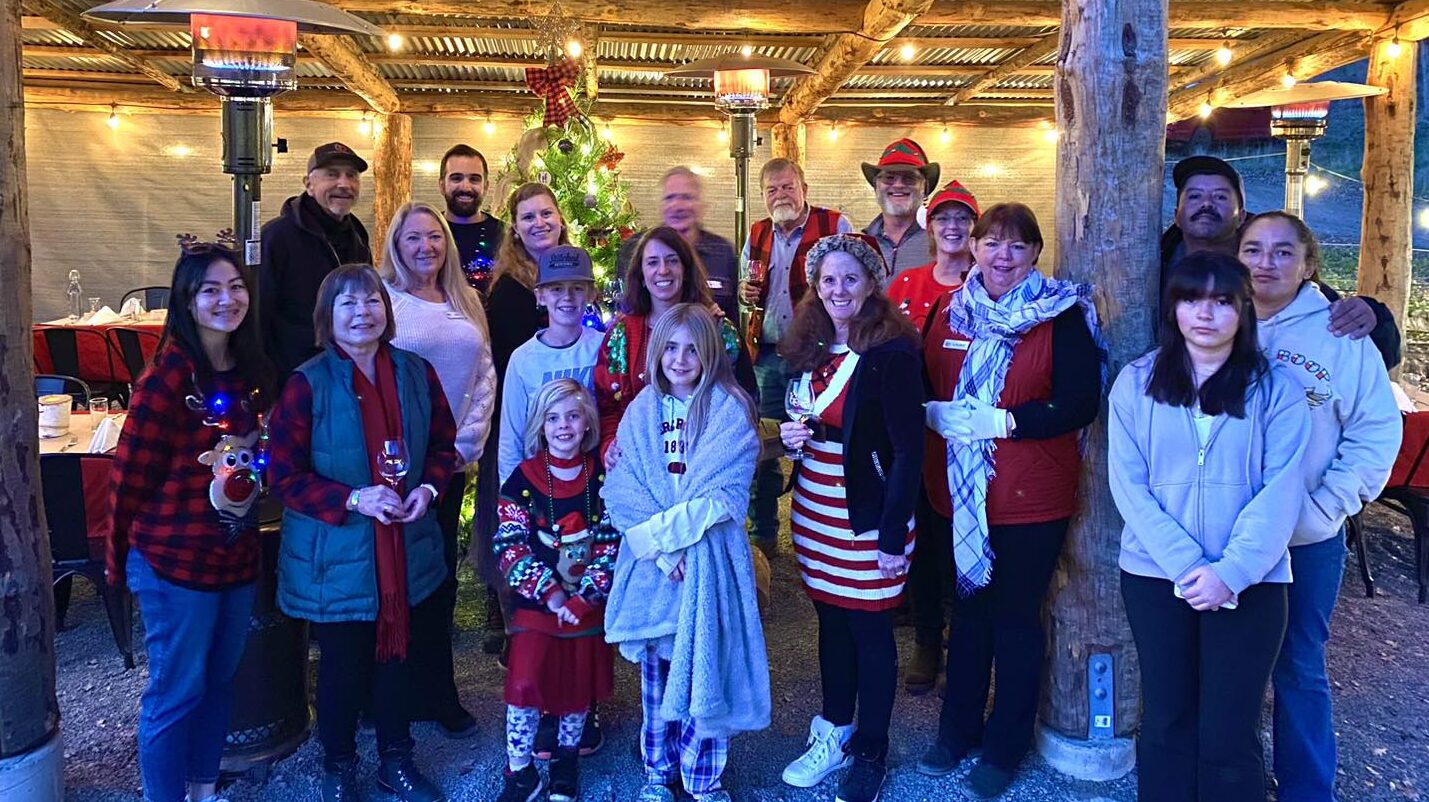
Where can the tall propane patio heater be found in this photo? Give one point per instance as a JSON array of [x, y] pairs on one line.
[[1299, 115], [244, 51], [741, 90]]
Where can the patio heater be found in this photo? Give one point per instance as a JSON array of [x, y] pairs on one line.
[[244, 51], [741, 90], [1298, 115]]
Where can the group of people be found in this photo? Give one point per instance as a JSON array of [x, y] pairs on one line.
[[622, 488]]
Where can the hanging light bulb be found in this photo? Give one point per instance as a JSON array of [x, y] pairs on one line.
[[1424, 218], [365, 127], [1205, 110], [1314, 184], [1287, 80], [747, 51], [1394, 48], [113, 121], [946, 136], [1224, 54], [833, 131], [394, 41], [574, 48], [605, 132], [908, 51], [723, 135], [488, 127]]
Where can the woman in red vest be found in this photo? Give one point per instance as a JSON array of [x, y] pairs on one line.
[[1014, 365], [665, 271]]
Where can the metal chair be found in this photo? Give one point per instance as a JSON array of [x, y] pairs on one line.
[[155, 297], [72, 515], [54, 383], [64, 344]]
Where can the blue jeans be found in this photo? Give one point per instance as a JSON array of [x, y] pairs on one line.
[[1304, 732], [772, 375], [195, 639]]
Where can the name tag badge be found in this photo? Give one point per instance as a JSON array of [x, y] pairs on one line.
[[453, 315], [715, 284], [956, 345]]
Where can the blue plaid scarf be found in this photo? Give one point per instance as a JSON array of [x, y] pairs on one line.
[[995, 328]]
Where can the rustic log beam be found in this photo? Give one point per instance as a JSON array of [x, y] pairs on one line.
[[86, 33], [1386, 225], [1240, 54], [391, 174], [1304, 60], [346, 61], [1409, 21], [1026, 58], [30, 753], [788, 142], [1111, 92], [882, 20]]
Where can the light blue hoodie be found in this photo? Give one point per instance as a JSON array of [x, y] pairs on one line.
[[1355, 425], [1231, 505]]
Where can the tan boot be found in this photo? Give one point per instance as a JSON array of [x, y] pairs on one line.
[[922, 673]]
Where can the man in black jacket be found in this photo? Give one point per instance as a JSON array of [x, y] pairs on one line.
[[1210, 209], [314, 234]]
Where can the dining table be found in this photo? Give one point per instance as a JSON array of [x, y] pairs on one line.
[[99, 359]]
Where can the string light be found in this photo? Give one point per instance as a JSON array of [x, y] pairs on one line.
[[394, 41], [747, 51], [1205, 110], [946, 136], [488, 127], [607, 134], [1287, 80], [723, 135], [908, 51], [1424, 218], [833, 131], [113, 121], [1314, 184], [365, 127], [1393, 49], [1224, 54], [574, 48]]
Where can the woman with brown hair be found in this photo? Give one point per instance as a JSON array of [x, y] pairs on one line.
[[854, 493], [665, 271]]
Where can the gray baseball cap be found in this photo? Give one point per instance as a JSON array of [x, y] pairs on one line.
[[564, 263]]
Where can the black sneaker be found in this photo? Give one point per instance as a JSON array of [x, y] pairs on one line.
[[592, 737], [522, 786], [864, 779], [458, 724], [339, 783], [398, 775], [987, 781], [565, 776], [545, 737], [941, 759]]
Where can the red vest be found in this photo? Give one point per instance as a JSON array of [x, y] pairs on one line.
[[821, 223], [1036, 480]]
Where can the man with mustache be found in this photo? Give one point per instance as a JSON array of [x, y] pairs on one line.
[[682, 207], [780, 242], [477, 234], [1210, 210], [900, 180], [313, 234]]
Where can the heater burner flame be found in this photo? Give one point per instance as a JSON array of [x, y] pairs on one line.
[[243, 56]]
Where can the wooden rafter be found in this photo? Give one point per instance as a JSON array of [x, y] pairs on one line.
[[1409, 21], [1240, 53], [1025, 58], [83, 31], [1303, 60], [347, 62]]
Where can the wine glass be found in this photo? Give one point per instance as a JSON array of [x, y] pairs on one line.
[[392, 463], [757, 274], [93, 306], [799, 403]]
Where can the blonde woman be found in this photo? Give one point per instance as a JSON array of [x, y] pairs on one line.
[[439, 317]]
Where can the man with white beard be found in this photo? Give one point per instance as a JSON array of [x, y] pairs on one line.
[[779, 242], [900, 180]]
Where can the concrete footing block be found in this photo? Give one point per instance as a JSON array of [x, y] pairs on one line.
[[1097, 761]]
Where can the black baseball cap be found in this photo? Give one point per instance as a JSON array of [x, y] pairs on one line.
[[335, 153], [1206, 165]]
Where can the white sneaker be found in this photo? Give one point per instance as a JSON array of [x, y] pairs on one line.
[[826, 754]]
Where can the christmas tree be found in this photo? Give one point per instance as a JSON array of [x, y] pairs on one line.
[[581, 164]]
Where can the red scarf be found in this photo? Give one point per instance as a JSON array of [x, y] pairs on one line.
[[382, 420]]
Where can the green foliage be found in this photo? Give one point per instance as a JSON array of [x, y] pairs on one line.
[[581, 165]]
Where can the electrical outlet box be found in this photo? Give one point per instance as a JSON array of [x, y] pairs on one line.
[[1101, 698]]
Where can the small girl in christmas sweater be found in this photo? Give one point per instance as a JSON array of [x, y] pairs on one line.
[[556, 548]]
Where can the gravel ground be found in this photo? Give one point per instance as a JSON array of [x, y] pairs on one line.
[[1378, 663]]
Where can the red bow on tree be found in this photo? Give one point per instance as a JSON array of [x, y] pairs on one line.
[[553, 84]]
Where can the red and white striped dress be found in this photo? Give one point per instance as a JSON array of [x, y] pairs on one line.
[[838, 566]]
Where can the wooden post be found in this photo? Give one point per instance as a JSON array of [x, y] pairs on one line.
[[391, 175], [788, 142], [1386, 228], [31, 757], [1111, 107]]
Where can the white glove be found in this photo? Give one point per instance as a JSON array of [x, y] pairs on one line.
[[939, 416], [975, 419]]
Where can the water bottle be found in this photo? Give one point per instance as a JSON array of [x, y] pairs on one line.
[[74, 292]]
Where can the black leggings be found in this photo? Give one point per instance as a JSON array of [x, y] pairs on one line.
[[858, 664], [1002, 624], [1203, 678], [350, 678], [930, 577], [430, 650]]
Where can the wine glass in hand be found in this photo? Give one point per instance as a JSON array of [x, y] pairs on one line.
[[799, 403], [392, 463]]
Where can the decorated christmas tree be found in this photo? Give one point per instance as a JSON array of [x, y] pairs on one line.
[[564, 149]]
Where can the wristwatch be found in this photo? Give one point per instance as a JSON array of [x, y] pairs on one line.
[[352, 499], [431, 487]]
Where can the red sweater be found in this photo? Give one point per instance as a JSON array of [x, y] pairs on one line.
[[161, 490]]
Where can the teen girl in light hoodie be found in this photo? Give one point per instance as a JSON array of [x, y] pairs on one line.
[[1355, 429], [1205, 443]]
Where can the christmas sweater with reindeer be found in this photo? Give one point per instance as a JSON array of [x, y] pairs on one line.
[[185, 481], [554, 535]]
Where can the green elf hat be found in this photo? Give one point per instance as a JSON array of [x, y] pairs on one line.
[[904, 153]]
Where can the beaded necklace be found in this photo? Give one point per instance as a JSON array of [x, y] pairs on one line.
[[551, 491]]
